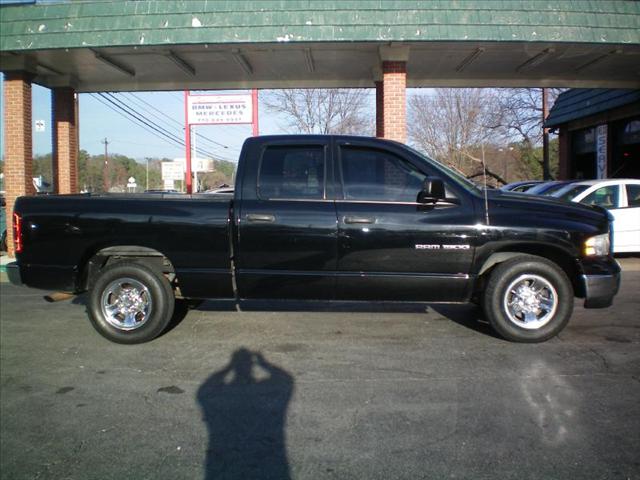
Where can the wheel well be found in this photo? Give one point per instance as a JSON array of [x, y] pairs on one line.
[[557, 256], [149, 257]]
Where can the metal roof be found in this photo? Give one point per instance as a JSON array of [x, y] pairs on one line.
[[156, 45], [117, 23], [584, 102]]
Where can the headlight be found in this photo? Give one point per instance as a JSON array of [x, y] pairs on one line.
[[598, 245]]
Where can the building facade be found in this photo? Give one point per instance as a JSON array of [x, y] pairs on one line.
[[599, 132]]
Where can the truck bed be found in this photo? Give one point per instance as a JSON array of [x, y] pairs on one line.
[[192, 231]]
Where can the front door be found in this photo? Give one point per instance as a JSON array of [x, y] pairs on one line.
[[389, 246], [287, 234]]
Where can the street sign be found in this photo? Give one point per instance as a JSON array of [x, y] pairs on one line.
[[219, 109]]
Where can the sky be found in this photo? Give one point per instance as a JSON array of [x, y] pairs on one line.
[[98, 121]]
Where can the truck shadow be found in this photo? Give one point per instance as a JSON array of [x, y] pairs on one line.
[[244, 406], [467, 315]]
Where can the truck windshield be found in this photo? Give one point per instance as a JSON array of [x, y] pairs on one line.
[[447, 171]]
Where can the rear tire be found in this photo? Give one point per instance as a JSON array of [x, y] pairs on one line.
[[528, 299], [130, 303]]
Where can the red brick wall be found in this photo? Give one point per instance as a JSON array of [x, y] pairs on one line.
[[394, 76], [65, 140], [18, 167]]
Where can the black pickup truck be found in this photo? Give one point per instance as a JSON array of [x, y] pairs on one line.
[[321, 218]]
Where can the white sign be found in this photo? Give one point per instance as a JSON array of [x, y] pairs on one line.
[[172, 171], [200, 165], [601, 151], [40, 126], [219, 109], [169, 185]]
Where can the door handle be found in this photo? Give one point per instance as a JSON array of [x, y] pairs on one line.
[[260, 217], [363, 220]]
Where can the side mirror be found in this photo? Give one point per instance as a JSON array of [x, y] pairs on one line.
[[432, 191]]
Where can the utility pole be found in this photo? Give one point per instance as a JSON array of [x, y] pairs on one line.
[[546, 174], [254, 120], [105, 171]]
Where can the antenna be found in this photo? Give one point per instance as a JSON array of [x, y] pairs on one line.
[[486, 198]]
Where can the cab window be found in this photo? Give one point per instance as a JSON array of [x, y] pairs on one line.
[[376, 175], [292, 172]]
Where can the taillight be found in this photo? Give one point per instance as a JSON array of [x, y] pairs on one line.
[[17, 233]]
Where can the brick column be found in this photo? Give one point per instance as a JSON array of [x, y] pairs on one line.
[[394, 79], [18, 169], [65, 140], [379, 109]]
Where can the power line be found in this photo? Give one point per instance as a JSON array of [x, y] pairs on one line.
[[130, 111], [151, 124], [141, 100], [149, 130], [141, 103]]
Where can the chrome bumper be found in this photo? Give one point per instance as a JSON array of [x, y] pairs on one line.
[[600, 289]]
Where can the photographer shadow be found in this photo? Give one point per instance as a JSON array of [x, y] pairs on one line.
[[245, 408]]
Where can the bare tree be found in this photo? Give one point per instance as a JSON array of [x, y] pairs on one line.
[[322, 111], [519, 119], [450, 121], [518, 113]]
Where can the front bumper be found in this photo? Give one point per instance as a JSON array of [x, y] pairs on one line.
[[13, 272], [600, 289]]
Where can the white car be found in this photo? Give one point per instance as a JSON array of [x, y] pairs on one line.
[[621, 197]]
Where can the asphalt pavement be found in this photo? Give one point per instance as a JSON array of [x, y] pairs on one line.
[[319, 392]]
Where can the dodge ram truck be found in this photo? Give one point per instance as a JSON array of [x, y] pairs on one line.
[[320, 218]]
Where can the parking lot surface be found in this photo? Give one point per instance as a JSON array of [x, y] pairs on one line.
[[318, 392]]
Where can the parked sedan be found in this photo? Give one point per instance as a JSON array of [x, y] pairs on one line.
[[621, 197]]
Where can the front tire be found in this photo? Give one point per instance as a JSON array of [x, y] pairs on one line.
[[528, 299], [130, 303]]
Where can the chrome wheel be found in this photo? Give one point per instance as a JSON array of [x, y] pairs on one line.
[[530, 301], [126, 304]]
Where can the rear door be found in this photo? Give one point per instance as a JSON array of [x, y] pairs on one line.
[[389, 246], [627, 219], [287, 233]]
